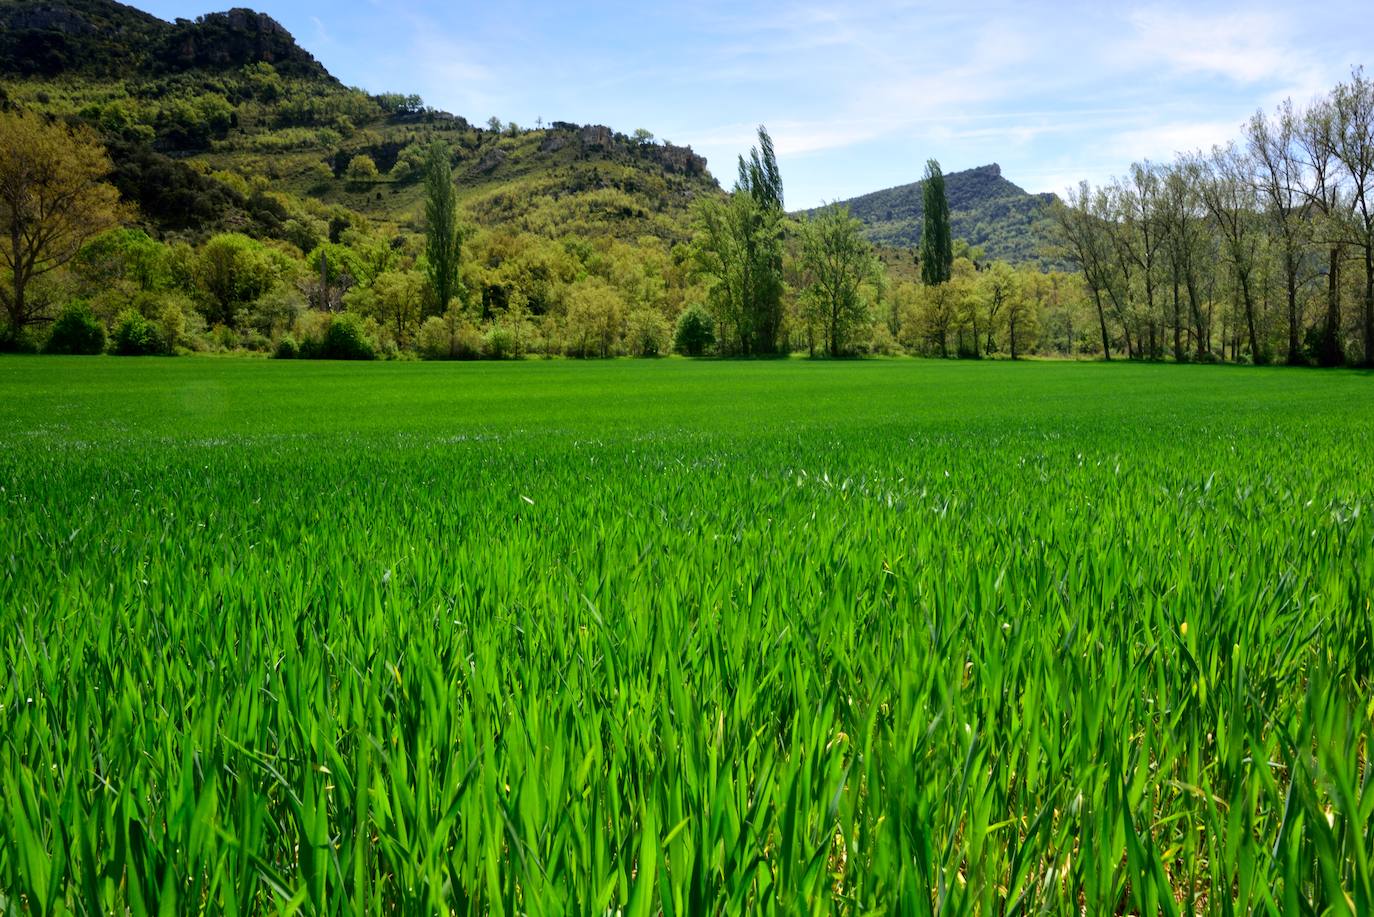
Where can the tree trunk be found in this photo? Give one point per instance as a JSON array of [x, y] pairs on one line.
[[1294, 346], [1197, 318], [1102, 321], [1331, 352], [1369, 304], [1255, 356], [1179, 355]]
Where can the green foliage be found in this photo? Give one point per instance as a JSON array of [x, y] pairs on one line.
[[361, 168], [231, 270], [344, 339], [136, 336], [984, 208], [443, 237], [937, 252], [739, 249], [451, 336], [596, 314], [76, 331], [287, 348], [695, 333], [840, 270], [553, 638], [647, 332]]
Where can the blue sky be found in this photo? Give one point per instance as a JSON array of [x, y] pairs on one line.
[[857, 96]]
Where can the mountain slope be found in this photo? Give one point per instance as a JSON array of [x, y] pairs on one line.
[[986, 210], [226, 123]]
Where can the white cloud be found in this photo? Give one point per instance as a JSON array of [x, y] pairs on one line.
[[1163, 141], [1246, 47]]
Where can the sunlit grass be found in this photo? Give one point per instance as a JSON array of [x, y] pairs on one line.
[[558, 638]]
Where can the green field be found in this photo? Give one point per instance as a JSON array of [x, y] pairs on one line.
[[684, 637]]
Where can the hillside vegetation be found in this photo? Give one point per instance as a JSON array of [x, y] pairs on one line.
[[986, 210]]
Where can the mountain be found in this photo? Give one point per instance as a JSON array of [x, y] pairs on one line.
[[985, 209], [225, 123], [97, 38]]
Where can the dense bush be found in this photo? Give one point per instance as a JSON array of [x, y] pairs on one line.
[[452, 336], [345, 339], [287, 349], [135, 336], [696, 332], [647, 332], [76, 331]]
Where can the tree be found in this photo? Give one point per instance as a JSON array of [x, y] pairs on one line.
[[647, 332], [393, 299], [1030, 291], [997, 289], [1277, 174], [443, 238], [695, 332], [1225, 190], [937, 246], [1322, 188], [1186, 233], [642, 137], [596, 318], [361, 168], [231, 271], [53, 199], [838, 262], [1352, 136], [1083, 241], [738, 246]]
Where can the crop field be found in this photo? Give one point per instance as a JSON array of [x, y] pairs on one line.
[[684, 637]]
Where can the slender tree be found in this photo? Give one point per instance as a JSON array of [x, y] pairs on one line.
[[937, 245], [1353, 146], [1276, 172], [443, 237], [1226, 191], [1322, 188], [1084, 242], [739, 248]]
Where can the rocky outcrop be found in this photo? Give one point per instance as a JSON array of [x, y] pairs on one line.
[[233, 39], [596, 137]]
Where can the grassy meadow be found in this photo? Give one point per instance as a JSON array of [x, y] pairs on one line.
[[684, 637]]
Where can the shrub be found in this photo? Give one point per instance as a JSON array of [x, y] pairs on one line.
[[76, 331], [178, 322], [345, 339], [450, 337], [647, 332], [287, 349], [500, 343], [696, 332], [135, 336]]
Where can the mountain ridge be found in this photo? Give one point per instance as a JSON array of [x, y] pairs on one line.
[[986, 210]]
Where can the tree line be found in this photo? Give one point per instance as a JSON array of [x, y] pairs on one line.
[[1261, 250]]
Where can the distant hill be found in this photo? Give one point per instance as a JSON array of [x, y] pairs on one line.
[[98, 38], [986, 210], [225, 123]]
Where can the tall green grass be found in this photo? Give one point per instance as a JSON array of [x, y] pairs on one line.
[[684, 638]]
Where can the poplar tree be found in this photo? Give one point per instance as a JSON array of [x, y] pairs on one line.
[[443, 239], [937, 246]]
